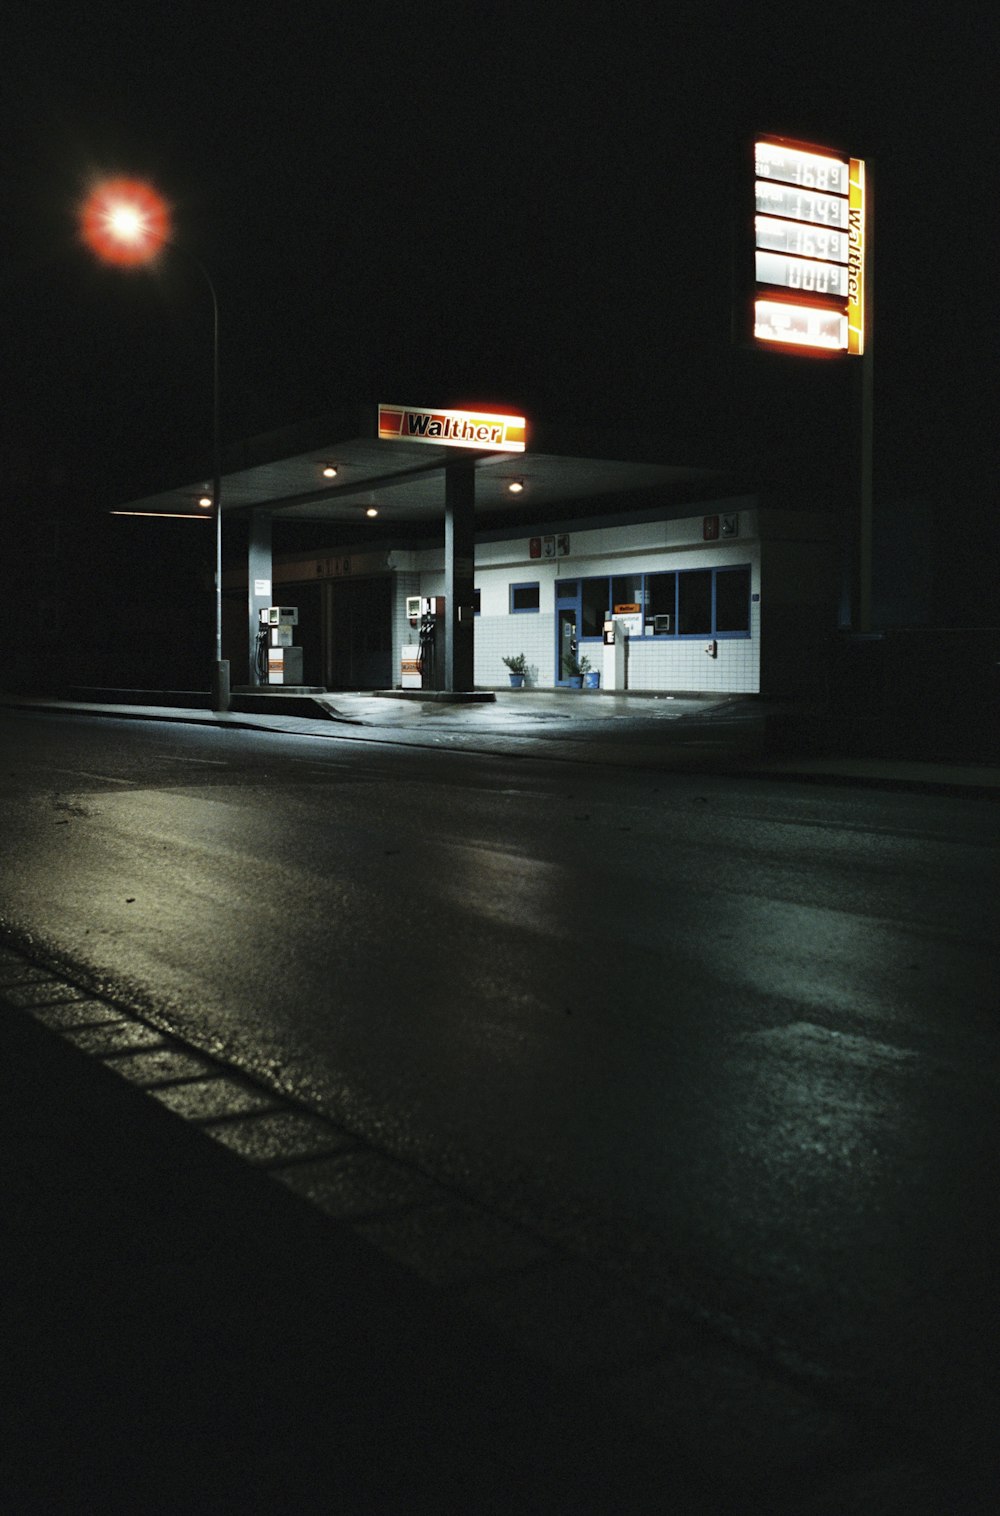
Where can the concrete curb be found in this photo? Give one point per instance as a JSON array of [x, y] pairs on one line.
[[686, 754]]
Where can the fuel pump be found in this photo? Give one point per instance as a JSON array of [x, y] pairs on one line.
[[277, 659], [260, 652], [432, 632], [423, 664], [615, 651], [428, 649]]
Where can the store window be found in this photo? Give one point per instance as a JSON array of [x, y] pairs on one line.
[[523, 597], [626, 589], [732, 600], [694, 604], [676, 603], [661, 604], [698, 603], [593, 606]]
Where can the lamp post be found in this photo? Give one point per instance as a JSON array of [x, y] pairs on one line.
[[127, 223]]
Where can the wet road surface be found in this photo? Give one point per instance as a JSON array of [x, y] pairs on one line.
[[733, 1041]]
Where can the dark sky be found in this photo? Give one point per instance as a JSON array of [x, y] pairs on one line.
[[531, 204]]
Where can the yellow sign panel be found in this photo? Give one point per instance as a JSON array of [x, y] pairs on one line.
[[809, 248], [856, 260]]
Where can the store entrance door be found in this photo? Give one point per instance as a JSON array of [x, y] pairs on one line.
[[567, 629]]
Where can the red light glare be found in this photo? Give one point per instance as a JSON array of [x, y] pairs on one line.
[[125, 222]]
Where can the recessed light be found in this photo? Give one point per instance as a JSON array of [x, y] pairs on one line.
[[372, 510], [329, 471], [515, 486], [205, 501]]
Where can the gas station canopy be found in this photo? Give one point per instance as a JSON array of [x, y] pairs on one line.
[[404, 480]]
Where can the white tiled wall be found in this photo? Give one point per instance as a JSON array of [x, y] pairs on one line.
[[500, 636], [659, 665], [684, 665]]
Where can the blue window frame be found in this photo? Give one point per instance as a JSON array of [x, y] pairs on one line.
[[676, 603], [524, 598]]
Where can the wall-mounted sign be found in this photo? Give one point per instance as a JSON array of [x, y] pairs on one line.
[[556, 546], [809, 247], [630, 620], [482, 430]]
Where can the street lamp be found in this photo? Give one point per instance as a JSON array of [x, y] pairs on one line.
[[127, 223]]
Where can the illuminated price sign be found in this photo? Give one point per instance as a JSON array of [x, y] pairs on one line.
[[809, 248]]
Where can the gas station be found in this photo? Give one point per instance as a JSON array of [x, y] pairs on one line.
[[493, 537]]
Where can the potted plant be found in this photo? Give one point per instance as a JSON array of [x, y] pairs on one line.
[[518, 665], [591, 676], [574, 669]]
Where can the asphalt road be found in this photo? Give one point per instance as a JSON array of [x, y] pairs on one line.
[[734, 1040]]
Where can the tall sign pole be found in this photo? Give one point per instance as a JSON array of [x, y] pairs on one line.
[[812, 295], [861, 579]]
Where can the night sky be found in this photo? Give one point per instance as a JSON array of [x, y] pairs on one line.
[[525, 204]]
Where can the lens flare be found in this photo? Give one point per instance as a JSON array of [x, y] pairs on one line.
[[125, 222]]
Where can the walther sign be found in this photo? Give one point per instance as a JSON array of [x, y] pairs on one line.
[[809, 247], [482, 430]]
